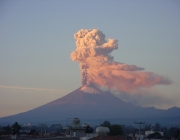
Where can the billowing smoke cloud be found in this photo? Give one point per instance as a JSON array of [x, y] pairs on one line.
[[98, 66]]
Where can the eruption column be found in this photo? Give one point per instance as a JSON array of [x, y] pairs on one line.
[[98, 66]]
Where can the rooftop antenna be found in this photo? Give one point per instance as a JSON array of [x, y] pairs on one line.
[[139, 127]]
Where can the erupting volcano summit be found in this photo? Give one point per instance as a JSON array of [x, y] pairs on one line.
[[99, 68]]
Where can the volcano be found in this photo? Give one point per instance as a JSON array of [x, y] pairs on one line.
[[89, 102]]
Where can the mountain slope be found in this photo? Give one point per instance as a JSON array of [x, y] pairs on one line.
[[88, 103]]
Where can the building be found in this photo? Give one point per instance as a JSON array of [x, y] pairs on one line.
[[76, 130]]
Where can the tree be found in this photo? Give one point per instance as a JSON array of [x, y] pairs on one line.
[[7, 130], [155, 135], [116, 129], [15, 128], [106, 124], [88, 129], [177, 133], [174, 132]]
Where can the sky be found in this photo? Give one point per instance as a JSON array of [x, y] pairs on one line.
[[37, 38]]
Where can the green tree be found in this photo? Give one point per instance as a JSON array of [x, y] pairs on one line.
[[106, 124], [155, 135], [15, 128], [177, 133], [174, 132], [88, 129], [7, 130], [116, 129]]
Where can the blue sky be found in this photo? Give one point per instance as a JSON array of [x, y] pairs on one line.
[[36, 39]]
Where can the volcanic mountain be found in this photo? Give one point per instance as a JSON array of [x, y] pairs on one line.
[[89, 102]]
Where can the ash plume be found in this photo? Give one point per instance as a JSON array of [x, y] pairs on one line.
[[98, 66]]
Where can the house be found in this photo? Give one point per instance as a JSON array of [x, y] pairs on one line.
[[75, 130]]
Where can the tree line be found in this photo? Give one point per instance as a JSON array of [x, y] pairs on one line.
[[116, 129]]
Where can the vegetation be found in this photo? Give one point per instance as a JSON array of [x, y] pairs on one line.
[[15, 128], [174, 132], [88, 129], [122, 129], [7, 130], [155, 135], [115, 129]]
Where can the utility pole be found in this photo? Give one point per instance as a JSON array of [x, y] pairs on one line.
[[139, 127], [42, 126]]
